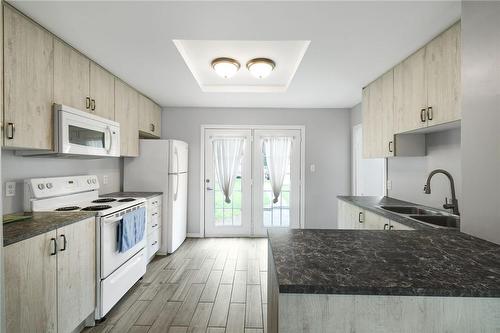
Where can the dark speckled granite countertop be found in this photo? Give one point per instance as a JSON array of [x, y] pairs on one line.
[[372, 203], [40, 223], [376, 262], [145, 195]]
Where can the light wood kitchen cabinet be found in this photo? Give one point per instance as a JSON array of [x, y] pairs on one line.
[[50, 281], [149, 118], [28, 83], [427, 85], [31, 285], [410, 93], [102, 92], [393, 225], [378, 110], [443, 68], [71, 77], [75, 274], [374, 221], [127, 114]]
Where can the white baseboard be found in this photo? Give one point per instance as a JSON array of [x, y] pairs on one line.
[[194, 235]]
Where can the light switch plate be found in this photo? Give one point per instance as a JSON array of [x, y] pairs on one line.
[[313, 168], [105, 180], [10, 189]]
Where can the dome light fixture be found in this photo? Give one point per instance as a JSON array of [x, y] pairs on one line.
[[261, 67], [225, 67]]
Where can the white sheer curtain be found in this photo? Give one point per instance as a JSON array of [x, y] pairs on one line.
[[227, 155], [277, 152]]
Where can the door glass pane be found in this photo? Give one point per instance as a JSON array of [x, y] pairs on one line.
[[275, 214], [228, 214]]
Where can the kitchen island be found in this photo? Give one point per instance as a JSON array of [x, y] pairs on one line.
[[376, 281]]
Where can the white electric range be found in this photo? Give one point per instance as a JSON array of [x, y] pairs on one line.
[[116, 272]]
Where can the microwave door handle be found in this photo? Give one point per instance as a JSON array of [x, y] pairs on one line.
[[108, 150]]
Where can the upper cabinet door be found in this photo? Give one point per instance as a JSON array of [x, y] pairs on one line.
[[28, 83], [102, 92], [149, 118], [410, 93], [126, 113], [443, 67], [387, 114], [156, 120], [71, 77], [368, 123]]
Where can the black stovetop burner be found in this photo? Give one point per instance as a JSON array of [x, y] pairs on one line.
[[97, 207], [103, 200], [126, 200], [67, 209]]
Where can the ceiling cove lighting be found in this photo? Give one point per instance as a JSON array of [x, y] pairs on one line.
[[261, 67], [225, 67]]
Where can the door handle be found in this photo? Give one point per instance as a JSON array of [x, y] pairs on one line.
[[65, 242], [422, 115], [10, 131], [54, 251], [430, 113]]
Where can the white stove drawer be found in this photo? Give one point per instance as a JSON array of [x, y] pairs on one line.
[[153, 243], [117, 284]]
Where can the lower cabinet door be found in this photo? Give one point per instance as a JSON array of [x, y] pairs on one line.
[[75, 273], [31, 285], [375, 222]]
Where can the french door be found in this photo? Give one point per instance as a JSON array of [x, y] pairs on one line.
[[253, 206]]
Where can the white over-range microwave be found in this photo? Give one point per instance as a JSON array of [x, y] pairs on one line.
[[82, 135]]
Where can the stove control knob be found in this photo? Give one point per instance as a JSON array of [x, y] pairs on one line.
[[89, 181], [41, 186], [48, 185], [93, 181]]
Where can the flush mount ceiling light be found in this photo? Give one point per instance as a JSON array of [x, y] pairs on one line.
[[225, 67], [261, 67]]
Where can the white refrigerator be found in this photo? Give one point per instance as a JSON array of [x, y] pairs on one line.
[[163, 166]]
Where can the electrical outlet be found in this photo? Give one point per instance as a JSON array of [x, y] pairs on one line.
[[313, 168], [10, 189], [389, 184], [105, 180]]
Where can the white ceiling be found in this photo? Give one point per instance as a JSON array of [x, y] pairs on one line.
[[198, 55], [351, 42]]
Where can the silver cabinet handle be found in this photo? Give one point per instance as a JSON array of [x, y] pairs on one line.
[[391, 227], [386, 226], [87, 102], [209, 189], [92, 104], [65, 242], [155, 242], [391, 144], [359, 217], [422, 115], [10, 131], [430, 113], [152, 126]]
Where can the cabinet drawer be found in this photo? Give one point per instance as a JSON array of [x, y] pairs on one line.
[[154, 221], [153, 242]]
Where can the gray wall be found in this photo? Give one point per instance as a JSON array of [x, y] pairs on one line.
[[327, 146], [408, 174], [17, 168], [481, 119]]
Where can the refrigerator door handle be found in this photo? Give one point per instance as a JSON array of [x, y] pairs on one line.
[[176, 187]]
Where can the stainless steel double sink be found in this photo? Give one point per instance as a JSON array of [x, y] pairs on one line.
[[435, 218]]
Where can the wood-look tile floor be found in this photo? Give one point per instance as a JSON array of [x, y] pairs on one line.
[[208, 285]]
